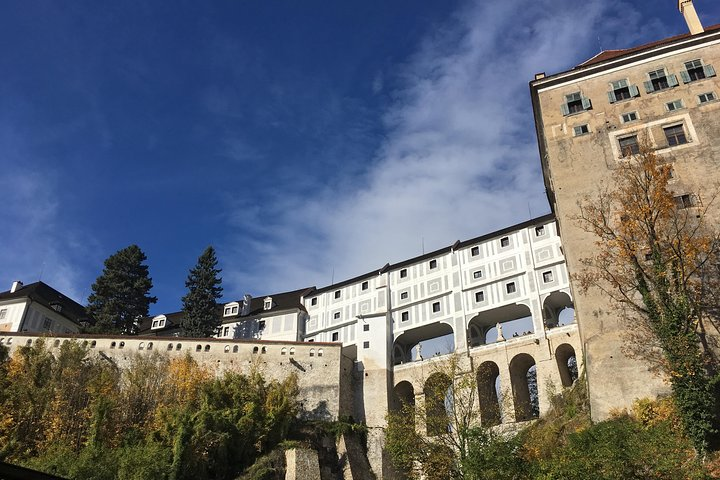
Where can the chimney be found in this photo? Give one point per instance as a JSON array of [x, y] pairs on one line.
[[16, 285], [687, 8]]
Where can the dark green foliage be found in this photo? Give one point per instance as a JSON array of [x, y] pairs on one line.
[[267, 467], [121, 295], [200, 308], [493, 456]]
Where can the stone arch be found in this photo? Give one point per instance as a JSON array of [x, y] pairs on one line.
[[436, 413], [488, 375], [404, 401], [523, 377], [515, 318], [558, 309], [408, 346], [567, 364]]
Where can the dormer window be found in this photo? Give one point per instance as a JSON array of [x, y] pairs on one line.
[[231, 309], [158, 322], [56, 306], [267, 303]]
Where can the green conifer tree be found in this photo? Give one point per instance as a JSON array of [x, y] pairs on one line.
[[200, 307], [121, 294]]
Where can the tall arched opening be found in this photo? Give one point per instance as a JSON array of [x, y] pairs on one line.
[[523, 376], [437, 419], [488, 384], [567, 364]]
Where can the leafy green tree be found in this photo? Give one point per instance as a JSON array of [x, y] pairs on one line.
[[200, 307], [121, 294]]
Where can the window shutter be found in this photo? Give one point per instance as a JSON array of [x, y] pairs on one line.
[[648, 87], [685, 76], [564, 109], [634, 91], [586, 103], [611, 96], [709, 70], [672, 80]]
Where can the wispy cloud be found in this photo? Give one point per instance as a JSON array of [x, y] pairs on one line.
[[460, 157]]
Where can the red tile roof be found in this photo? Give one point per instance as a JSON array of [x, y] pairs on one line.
[[611, 54]]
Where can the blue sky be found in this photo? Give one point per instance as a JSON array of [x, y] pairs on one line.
[[301, 139]]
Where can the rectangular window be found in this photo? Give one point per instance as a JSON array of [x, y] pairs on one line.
[[364, 286], [629, 146], [404, 316], [540, 231], [510, 287], [706, 97], [404, 296], [366, 344], [313, 301], [675, 135], [674, 105], [226, 331], [337, 293], [581, 130], [684, 201], [622, 90], [154, 324], [234, 310], [261, 325], [629, 117], [475, 251], [695, 70], [403, 273], [436, 307], [366, 328], [336, 315], [505, 241], [3, 313], [660, 80], [47, 323], [547, 277], [335, 336], [433, 264], [575, 103], [479, 296], [477, 274]]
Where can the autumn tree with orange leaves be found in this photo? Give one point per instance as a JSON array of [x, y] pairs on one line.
[[658, 259]]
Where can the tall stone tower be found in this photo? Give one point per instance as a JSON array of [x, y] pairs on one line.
[[664, 92]]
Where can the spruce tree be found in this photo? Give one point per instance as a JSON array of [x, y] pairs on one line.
[[200, 307], [121, 294]]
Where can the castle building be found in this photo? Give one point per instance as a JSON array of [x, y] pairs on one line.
[[37, 307], [588, 120]]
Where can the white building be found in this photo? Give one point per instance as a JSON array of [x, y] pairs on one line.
[[38, 307]]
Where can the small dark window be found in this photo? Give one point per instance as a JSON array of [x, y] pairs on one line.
[[684, 201], [122, 345], [256, 349], [540, 231], [150, 345], [366, 328], [404, 296], [283, 351], [338, 293], [658, 80], [675, 135], [477, 274], [112, 344], [433, 264], [364, 285], [475, 251], [629, 117], [479, 296], [403, 273], [547, 277], [93, 344], [674, 105], [629, 145], [261, 325], [575, 103], [581, 130], [312, 352], [207, 348], [313, 301], [263, 350], [436, 307], [178, 346], [235, 349], [198, 348], [510, 287], [335, 336], [366, 344], [706, 97], [505, 241], [336, 315], [694, 71], [405, 316]]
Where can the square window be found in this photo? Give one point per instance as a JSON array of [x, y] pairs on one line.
[[706, 97], [404, 295], [364, 285], [675, 135], [335, 336], [433, 264], [234, 310], [337, 293], [622, 90], [581, 130], [547, 277], [674, 105], [366, 344], [3, 313], [479, 296], [366, 328], [436, 307], [475, 251], [261, 325], [403, 273], [313, 301], [405, 316], [684, 201], [575, 103], [629, 117], [659, 80], [477, 274], [693, 71], [629, 145], [336, 315], [540, 231], [510, 287], [505, 241]]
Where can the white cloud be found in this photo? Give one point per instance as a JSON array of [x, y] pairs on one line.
[[460, 157]]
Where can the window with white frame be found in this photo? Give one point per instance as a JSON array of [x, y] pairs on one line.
[[622, 90], [674, 105], [313, 301], [3, 313], [335, 336], [338, 294], [267, 303], [230, 309], [336, 316], [540, 230], [581, 130], [695, 70], [685, 201], [226, 331], [477, 274], [436, 307], [364, 285], [479, 296], [629, 145], [706, 97], [47, 323], [660, 80], [505, 242], [475, 251], [510, 287], [404, 295], [403, 273], [575, 103], [547, 277], [404, 316], [629, 117], [675, 135], [433, 264]]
